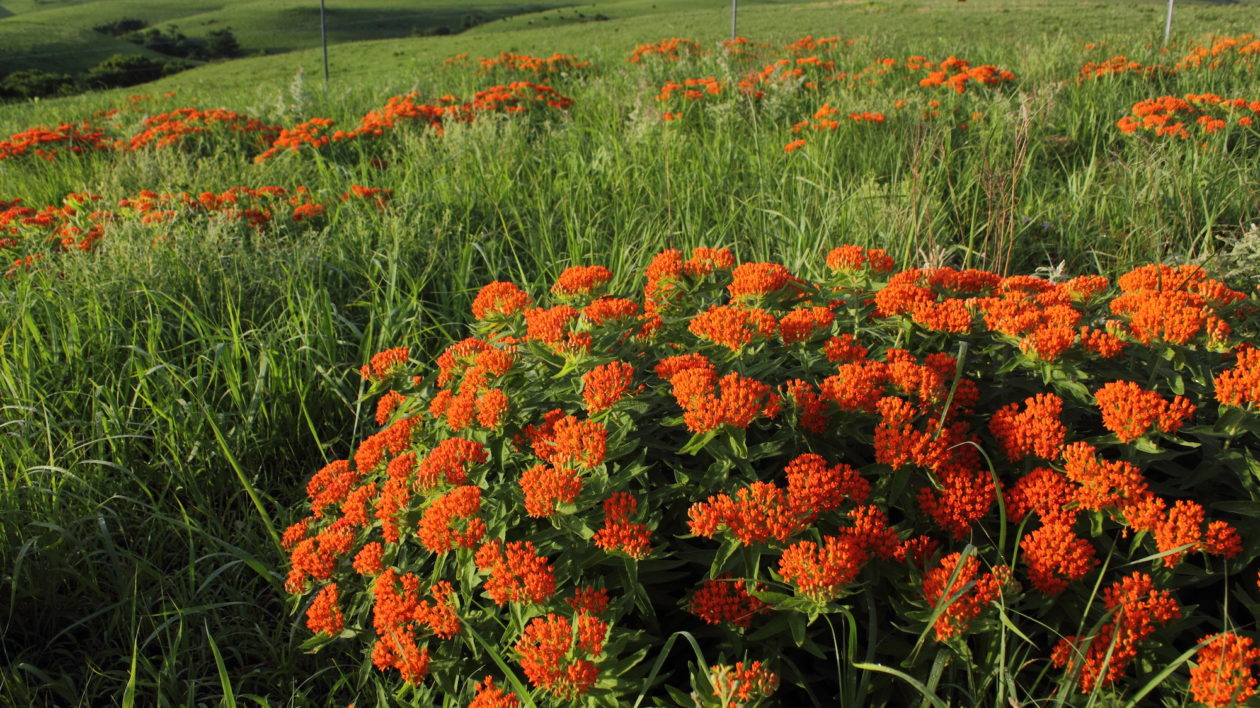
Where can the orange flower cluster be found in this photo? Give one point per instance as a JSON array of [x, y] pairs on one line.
[[1056, 557], [1036, 430], [517, 97], [812, 45], [824, 119], [1224, 50], [173, 128], [961, 591], [500, 299], [581, 280], [1121, 65], [1225, 671], [936, 299], [559, 657], [1103, 658], [921, 448], [691, 89], [82, 220], [1130, 411], [855, 258], [557, 63], [47, 143], [606, 384], [1240, 384], [957, 73], [687, 93], [762, 511], [490, 696], [385, 363], [400, 617], [733, 327], [725, 600], [742, 684], [738, 400], [1170, 116], [1175, 305], [468, 378], [673, 49], [324, 615], [518, 575], [788, 74], [450, 521], [619, 533]]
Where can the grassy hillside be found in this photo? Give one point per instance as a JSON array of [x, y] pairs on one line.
[[396, 64], [167, 390]]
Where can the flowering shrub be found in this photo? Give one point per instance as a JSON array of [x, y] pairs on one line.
[[538, 67], [82, 220], [677, 96], [178, 126], [48, 143], [1170, 116], [750, 455], [673, 49], [515, 98]]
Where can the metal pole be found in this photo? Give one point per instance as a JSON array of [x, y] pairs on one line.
[[323, 38], [734, 7], [1168, 23]]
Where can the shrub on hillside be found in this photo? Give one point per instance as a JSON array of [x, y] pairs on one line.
[[118, 28], [222, 44], [943, 470], [32, 83], [129, 70]]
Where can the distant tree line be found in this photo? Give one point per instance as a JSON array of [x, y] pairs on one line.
[[179, 50]]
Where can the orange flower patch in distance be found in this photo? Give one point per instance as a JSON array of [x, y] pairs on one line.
[[673, 49], [49, 144], [538, 67], [1191, 115]]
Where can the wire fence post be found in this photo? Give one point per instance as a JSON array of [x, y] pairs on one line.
[[323, 38], [1168, 23], [734, 7]]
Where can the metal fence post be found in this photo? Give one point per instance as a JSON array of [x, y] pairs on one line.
[[323, 38]]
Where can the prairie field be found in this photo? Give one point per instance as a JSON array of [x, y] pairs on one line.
[[898, 352]]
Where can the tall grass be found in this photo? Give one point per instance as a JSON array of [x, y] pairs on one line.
[[161, 405]]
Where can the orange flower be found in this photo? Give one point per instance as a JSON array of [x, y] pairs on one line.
[[944, 586], [1225, 670], [742, 684], [499, 298], [606, 384], [490, 696], [518, 575], [733, 327], [385, 364], [440, 526], [725, 600], [581, 280], [621, 534], [1056, 557], [544, 487], [1036, 430], [800, 325], [821, 573], [1103, 658], [560, 658], [324, 614], [1240, 385], [1130, 412]]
